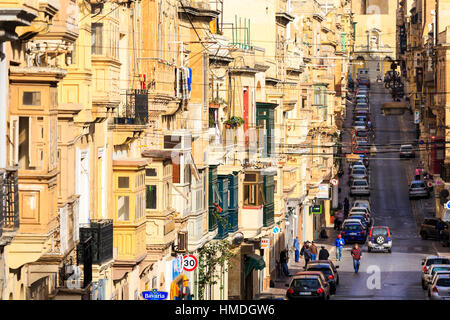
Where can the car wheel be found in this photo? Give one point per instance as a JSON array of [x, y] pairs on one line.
[[369, 249], [424, 235], [390, 250]]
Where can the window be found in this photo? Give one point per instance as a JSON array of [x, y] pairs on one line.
[[150, 172], [123, 208], [124, 182], [250, 194], [151, 197], [31, 98], [97, 44]]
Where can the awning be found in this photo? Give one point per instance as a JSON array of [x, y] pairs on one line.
[[253, 261]]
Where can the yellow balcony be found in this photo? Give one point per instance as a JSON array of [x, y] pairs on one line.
[[129, 209]]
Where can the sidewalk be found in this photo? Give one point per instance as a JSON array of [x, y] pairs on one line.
[[294, 267]]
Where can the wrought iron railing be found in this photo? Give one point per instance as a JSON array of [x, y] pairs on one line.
[[9, 199], [135, 110], [101, 232]]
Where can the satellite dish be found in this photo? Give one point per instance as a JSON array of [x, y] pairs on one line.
[[238, 238]]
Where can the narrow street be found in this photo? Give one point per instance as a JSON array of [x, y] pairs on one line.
[[389, 179]]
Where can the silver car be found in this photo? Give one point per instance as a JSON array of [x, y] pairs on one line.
[[440, 288], [360, 187], [428, 276], [418, 189], [428, 262]]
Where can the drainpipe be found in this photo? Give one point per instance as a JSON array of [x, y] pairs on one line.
[[3, 96]]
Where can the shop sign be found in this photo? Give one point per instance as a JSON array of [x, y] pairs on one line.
[[316, 209], [323, 192], [265, 243], [154, 295]]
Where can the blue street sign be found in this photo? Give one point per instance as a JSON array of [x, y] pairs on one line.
[[421, 142], [447, 205], [276, 230], [154, 295]]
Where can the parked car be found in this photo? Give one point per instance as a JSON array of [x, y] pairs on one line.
[[428, 228], [358, 173], [407, 151], [353, 232], [361, 203], [428, 276], [356, 164], [428, 262], [327, 271], [360, 217], [332, 266], [358, 149], [439, 288], [308, 285], [360, 187], [418, 189], [379, 239], [364, 212], [362, 133]]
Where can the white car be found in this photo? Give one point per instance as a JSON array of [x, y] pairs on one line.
[[407, 151], [360, 187], [361, 204], [439, 288]]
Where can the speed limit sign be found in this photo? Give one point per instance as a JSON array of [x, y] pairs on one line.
[[334, 182], [190, 262]]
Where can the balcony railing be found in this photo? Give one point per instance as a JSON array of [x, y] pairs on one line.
[[9, 199], [101, 232], [135, 111]]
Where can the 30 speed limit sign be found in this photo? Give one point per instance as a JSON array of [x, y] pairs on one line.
[[190, 262]]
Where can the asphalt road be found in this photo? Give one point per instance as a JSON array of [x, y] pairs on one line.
[[396, 275]]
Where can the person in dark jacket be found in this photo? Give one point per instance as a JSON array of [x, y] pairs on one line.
[[346, 207], [323, 253], [284, 260], [306, 253], [440, 226]]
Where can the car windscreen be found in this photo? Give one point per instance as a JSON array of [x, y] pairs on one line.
[[360, 183], [406, 148], [361, 204], [325, 270], [379, 232], [359, 172], [438, 261], [305, 283], [439, 269], [418, 185], [352, 227], [443, 282]]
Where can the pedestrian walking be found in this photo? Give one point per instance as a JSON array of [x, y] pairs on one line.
[[313, 251], [346, 207], [297, 249], [339, 243], [356, 254], [306, 253], [338, 219], [417, 173], [284, 262], [323, 253], [440, 226]]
